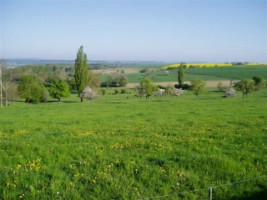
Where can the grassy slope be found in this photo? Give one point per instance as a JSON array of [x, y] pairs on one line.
[[124, 148], [211, 73]]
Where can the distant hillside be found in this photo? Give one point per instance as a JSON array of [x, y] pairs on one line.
[[11, 63]]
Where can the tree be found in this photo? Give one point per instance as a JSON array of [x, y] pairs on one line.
[[10, 92], [198, 87], [30, 90], [59, 89], [88, 93], [229, 92], [109, 81], [146, 87], [116, 81], [221, 87], [81, 71], [258, 81], [121, 81], [245, 86], [94, 81], [181, 75]]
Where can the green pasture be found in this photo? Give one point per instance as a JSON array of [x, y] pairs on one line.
[[122, 147], [205, 73]]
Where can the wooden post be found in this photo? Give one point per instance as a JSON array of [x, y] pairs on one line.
[[210, 192], [1, 87]]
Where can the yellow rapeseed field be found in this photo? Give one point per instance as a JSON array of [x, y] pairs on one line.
[[174, 66]]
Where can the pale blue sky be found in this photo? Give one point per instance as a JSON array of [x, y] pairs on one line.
[[151, 30]]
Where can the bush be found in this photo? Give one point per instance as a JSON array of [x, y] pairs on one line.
[[229, 92], [10, 92], [123, 91], [184, 86], [144, 71], [220, 87], [94, 80], [88, 94], [45, 95], [116, 91], [103, 91]]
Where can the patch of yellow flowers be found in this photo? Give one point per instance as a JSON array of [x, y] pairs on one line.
[[174, 66]]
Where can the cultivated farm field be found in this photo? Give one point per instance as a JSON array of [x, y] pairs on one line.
[[206, 73], [122, 147]]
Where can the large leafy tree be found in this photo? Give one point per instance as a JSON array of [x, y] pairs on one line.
[[30, 90], [59, 89], [245, 86], [81, 71], [198, 87], [181, 75]]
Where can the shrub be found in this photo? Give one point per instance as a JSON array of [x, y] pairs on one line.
[[184, 86], [103, 91], [10, 92], [116, 91], [45, 95], [220, 87], [123, 91], [229, 92], [144, 71], [94, 80], [88, 93]]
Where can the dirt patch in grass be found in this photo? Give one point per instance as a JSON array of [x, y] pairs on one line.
[[209, 84], [117, 71]]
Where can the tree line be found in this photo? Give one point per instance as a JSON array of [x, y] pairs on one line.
[[59, 82]]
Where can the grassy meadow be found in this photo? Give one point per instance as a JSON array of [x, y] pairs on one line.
[[122, 147]]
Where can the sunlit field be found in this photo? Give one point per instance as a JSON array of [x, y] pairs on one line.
[[122, 147]]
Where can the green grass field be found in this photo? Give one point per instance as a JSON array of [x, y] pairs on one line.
[[209, 73], [121, 147]]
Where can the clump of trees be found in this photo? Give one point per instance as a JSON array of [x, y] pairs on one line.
[[246, 86], [30, 90], [116, 81]]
